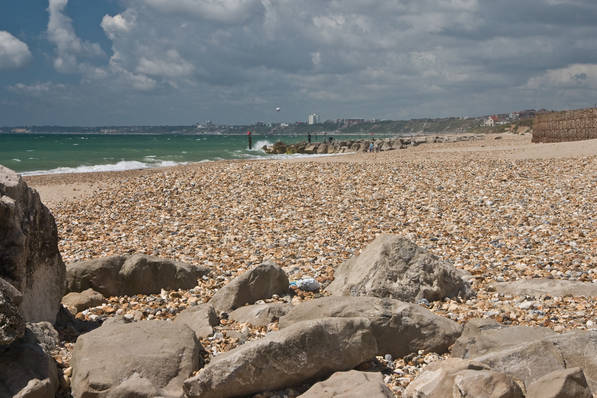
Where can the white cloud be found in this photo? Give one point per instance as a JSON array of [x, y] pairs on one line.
[[224, 11], [37, 89], [582, 76], [69, 47], [171, 64], [118, 24], [13, 52]]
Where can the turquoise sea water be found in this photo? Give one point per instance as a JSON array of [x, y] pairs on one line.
[[67, 153]]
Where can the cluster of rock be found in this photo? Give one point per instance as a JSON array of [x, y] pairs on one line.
[[376, 307], [363, 145]]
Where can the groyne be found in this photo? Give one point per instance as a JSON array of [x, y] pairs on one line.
[[575, 125]]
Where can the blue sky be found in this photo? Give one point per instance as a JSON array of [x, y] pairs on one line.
[[123, 62]]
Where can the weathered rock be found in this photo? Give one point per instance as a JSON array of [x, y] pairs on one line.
[[547, 287], [46, 336], [395, 267], [351, 384], [130, 275], [322, 148], [76, 302], [532, 360], [461, 378], [567, 383], [162, 353], [258, 283], [260, 314], [301, 352], [29, 256], [201, 319], [481, 336], [26, 371], [399, 328], [12, 324]]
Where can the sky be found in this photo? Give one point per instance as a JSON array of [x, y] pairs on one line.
[[158, 62]]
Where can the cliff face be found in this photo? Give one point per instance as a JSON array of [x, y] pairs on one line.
[[573, 125]]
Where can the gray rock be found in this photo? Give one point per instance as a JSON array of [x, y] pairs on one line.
[[351, 384], [26, 371], [115, 357], [201, 319], [258, 283], [399, 328], [288, 357], [46, 336], [130, 275], [462, 378], [394, 267], [567, 383], [260, 314], [547, 287], [29, 256], [76, 302], [12, 324], [481, 336]]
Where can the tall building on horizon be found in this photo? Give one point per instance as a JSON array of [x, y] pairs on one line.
[[313, 118]]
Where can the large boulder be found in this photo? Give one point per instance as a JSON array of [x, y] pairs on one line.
[[481, 336], [26, 370], [394, 267], [201, 319], [399, 328], [566, 383], [12, 324], [260, 314], [258, 283], [130, 275], [547, 287], [285, 358], [351, 384], [29, 256], [461, 378], [76, 302], [155, 355]]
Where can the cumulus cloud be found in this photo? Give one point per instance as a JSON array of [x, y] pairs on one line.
[[69, 47], [13, 52], [37, 89], [572, 76]]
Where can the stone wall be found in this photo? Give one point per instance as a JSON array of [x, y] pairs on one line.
[[573, 125]]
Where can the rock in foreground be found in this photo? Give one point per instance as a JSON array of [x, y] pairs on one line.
[[29, 256], [258, 283], [130, 275], [394, 267], [298, 353], [351, 384], [399, 328], [150, 358], [547, 287]]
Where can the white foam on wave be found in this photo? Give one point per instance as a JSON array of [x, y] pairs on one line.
[[257, 147], [119, 166], [16, 160]]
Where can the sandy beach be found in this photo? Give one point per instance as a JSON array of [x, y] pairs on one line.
[[501, 208]]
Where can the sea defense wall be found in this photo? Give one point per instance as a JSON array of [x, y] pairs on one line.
[[573, 125]]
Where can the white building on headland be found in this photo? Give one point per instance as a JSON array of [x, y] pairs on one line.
[[313, 118]]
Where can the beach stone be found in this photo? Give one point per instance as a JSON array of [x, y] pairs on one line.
[[201, 319], [160, 352], [461, 378], [12, 324], [29, 256], [567, 383], [130, 275], [399, 328], [351, 384], [76, 302], [394, 267], [26, 371], [547, 287], [260, 314], [533, 360], [46, 335], [481, 336], [301, 352], [261, 282]]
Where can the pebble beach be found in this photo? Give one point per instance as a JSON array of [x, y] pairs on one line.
[[500, 208]]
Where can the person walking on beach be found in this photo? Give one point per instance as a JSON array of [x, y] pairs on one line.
[[371, 146], [250, 139], [309, 138]]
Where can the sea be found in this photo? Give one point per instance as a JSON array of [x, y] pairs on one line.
[[55, 153]]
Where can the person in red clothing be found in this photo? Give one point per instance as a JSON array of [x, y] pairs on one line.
[[250, 139]]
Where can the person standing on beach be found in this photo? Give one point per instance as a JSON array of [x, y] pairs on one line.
[[309, 137], [371, 146], [250, 139]]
